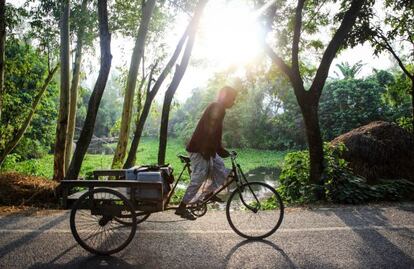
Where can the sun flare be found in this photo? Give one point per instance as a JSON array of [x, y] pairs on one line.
[[230, 35]]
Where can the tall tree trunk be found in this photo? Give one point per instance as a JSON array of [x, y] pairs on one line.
[[137, 53], [60, 145], [150, 95], [314, 138], [95, 99], [74, 87], [18, 136], [178, 75], [2, 49], [412, 102]]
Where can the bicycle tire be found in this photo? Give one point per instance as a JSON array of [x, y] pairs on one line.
[[236, 218], [104, 200]]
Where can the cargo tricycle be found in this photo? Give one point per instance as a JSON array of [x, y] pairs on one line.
[[105, 211]]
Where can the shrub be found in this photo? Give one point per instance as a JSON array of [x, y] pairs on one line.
[[341, 185], [294, 179]]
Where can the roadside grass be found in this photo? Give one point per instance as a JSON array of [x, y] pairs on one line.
[[249, 159]]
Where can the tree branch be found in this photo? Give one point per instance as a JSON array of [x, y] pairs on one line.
[[334, 45], [278, 61], [296, 37], [388, 47]]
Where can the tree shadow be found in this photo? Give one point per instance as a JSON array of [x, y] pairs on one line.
[[90, 262], [30, 236], [377, 246]]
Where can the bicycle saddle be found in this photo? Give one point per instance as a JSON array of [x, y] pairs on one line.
[[184, 159]]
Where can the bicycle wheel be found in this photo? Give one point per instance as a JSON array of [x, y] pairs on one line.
[[254, 210], [92, 221]]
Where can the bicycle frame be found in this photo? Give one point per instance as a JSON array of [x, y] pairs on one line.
[[238, 177]]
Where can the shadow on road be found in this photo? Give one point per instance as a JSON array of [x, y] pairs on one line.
[[91, 262], [254, 251], [30, 236], [376, 244]]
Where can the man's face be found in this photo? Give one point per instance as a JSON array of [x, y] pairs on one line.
[[230, 98]]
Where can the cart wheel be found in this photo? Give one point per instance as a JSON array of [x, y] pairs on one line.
[[92, 221], [126, 217], [199, 210]]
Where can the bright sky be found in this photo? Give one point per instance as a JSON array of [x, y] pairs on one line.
[[228, 36]]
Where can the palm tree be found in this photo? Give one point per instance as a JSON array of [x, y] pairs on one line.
[[349, 71]]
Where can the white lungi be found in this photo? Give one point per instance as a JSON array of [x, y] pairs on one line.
[[201, 170]]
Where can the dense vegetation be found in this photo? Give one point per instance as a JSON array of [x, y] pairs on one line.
[[287, 103]]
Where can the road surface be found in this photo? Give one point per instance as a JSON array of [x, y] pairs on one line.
[[339, 237]]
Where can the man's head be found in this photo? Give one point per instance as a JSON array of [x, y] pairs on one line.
[[226, 96]]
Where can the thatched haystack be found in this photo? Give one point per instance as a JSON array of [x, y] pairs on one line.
[[379, 150]]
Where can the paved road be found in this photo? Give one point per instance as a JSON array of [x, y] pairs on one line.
[[346, 237]]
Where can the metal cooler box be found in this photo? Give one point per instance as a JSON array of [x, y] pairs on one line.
[[151, 190]]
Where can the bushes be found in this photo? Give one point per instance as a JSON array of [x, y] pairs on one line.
[[340, 184]]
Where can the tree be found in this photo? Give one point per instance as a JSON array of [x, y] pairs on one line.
[[80, 36], [137, 54], [308, 100], [62, 125], [350, 103], [27, 81], [398, 25], [95, 99], [2, 48], [150, 95], [349, 71], [178, 75], [19, 134]]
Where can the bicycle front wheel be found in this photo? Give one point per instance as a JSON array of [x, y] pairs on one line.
[[254, 210]]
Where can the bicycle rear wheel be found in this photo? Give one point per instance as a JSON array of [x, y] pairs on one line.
[[254, 210], [93, 224]]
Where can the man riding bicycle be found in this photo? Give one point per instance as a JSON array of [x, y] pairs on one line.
[[206, 150]]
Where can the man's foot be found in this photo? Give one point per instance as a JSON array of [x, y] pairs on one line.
[[185, 213]]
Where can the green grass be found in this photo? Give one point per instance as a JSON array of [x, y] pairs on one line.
[[249, 159]]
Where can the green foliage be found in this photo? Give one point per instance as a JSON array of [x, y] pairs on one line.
[[350, 103], [406, 123], [265, 115], [26, 71], [340, 184], [294, 179], [348, 71], [249, 159], [177, 196]]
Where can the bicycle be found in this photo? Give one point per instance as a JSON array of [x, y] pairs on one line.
[[258, 199]]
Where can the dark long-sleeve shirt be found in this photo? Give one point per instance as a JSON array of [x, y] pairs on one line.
[[206, 138]]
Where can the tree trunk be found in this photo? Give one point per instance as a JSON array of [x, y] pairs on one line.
[[95, 99], [314, 138], [137, 53], [2, 49], [60, 145], [18, 136], [74, 87], [178, 75], [148, 101], [412, 102]]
